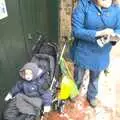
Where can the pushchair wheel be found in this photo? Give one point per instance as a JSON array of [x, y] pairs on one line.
[[59, 106]]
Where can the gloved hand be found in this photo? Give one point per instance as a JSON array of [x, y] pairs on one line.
[[101, 41], [8, 96], [115, 37], [105, 32], [47, 109]]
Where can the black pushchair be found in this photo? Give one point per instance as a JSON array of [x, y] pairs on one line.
[[45, 54], [61, 80]]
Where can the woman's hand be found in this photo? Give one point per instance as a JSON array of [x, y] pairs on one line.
[[115, 37], [101, 41], [105, 32]]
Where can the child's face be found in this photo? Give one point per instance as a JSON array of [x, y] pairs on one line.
[[28, 74]]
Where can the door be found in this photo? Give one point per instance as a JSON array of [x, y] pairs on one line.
[[39, 16], [34, 18]]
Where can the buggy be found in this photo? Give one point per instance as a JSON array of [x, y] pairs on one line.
[[61, 80], [45, 54]]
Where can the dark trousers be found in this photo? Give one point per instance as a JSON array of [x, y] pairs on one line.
[[93, 81]]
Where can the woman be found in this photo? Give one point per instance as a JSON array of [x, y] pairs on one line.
[[92, 19]]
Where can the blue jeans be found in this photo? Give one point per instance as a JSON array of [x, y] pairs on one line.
[[93, 82]]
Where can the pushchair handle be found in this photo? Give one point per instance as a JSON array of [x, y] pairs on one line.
[[63, 49]]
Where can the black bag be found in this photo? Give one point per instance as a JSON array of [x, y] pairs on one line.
[[11, 111], [43, 46], [46, 62], [49, 48]]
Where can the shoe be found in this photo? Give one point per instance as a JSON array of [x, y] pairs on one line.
[[93, 103]]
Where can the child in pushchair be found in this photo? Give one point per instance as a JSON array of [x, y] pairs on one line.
[[29, 94], [32, 93]]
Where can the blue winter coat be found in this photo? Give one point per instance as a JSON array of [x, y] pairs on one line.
[[37, 87], [87, 18]]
